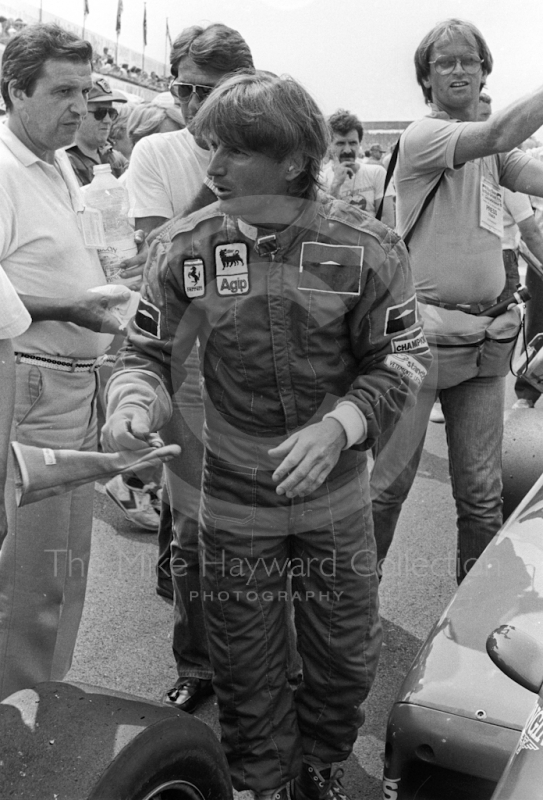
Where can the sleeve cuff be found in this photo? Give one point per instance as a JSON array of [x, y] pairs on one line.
[[352, 420]]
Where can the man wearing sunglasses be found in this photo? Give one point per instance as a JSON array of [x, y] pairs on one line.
[[91, 141], [165, 179], [456, 256]]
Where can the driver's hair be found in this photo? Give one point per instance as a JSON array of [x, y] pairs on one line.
[[271, 115]]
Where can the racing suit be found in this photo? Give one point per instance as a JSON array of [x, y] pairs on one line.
[[291, 324]]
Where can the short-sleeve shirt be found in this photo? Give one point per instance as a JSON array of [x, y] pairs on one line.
[[14, 319], [454, 259], [516, 208], [41, 245], [365, 188], [166, 172]]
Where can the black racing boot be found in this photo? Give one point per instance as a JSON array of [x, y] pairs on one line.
[[318, 784]]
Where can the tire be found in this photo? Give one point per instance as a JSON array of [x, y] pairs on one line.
[[174, 759], [79, 742]]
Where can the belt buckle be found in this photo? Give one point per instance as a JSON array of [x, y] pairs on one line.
[[98, 362]]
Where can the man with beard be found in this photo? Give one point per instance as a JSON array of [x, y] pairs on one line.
[[347, 177]]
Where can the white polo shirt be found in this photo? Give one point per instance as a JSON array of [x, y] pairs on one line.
[[41, 246], [14, 319]]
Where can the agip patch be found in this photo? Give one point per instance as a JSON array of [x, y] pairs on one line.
[[231, 269], [194, 277]]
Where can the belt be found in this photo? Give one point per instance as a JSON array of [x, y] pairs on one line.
[[467, 308], [64, 364]]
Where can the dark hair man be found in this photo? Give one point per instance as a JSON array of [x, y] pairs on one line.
[[346, 176], [298, 306], [456, 256], [46, 76], [165, 178], [91, 140]]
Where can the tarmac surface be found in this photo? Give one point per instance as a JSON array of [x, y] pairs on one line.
[[125, 635]]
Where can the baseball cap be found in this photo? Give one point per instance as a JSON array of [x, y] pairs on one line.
[[102, 92], [377, 147]]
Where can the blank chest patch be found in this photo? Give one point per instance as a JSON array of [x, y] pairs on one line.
[[332, 268]]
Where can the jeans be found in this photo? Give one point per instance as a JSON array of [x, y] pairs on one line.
[[252, 537], [473, 413], [45, 557]]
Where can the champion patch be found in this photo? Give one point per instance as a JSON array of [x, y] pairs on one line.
[[148, 318], [407, 367], [401, 317], [332, 268], [193, 277], [412, 342], [231, 269]]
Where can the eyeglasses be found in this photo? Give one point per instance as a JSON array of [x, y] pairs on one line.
[[100, 113], [446, 64], [184, 91]]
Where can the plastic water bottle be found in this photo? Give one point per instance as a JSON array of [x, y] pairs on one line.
[[109, 196]]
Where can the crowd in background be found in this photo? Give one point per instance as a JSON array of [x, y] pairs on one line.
[[363, 343], [103, 63]]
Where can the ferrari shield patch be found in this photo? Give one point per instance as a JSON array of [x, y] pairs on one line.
[[334, 268], [193, 277], [231, 269]]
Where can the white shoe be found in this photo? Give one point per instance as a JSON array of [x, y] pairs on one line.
[[522, 402], [136, 504], [436, 414]]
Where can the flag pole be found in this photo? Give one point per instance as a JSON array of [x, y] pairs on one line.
[[166, 40], [144, 36], [118, 28]]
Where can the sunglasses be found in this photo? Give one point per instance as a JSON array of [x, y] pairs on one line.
[[184, 91], [100, 113], [446, 64]]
